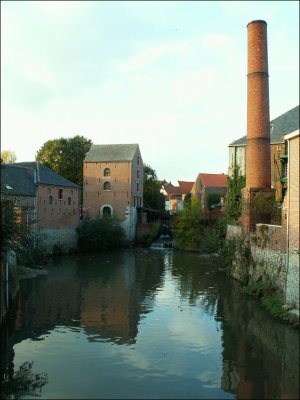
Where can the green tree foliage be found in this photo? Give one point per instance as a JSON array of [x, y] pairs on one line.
[[187, 200], [153, 198], [100, 234], [8, 156], [65, 156], [187, 226], [233, 204], [9, 225], [213, 199]]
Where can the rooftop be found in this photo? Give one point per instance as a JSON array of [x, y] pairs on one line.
[[280, 126], [213, 180], [111, 152]]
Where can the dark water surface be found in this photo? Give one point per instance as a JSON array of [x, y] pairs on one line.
[[144, 324]]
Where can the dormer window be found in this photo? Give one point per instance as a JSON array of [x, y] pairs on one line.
[[106, 172]]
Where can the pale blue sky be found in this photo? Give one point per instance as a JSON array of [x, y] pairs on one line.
[[170, 76]]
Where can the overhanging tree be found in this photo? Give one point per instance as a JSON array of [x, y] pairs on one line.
[[65, 156], [153, 198]]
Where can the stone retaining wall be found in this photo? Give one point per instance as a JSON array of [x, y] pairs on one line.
[[65, 239]]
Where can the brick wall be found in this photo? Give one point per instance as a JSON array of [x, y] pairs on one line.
[[55, 212], [293, 195]]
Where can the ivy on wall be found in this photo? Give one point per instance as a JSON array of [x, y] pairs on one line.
[[235, 184]]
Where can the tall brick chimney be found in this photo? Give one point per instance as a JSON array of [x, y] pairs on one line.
[[258, 152], [258, 162]]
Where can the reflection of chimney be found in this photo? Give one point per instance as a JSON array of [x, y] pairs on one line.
[[258, 162]]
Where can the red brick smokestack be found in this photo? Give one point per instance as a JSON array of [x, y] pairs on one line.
[[258, 162]]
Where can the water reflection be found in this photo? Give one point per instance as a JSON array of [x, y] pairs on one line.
[[165, 324]]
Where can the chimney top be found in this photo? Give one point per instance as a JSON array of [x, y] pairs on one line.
[[257, 21]]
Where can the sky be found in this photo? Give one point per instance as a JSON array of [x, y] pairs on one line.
[[168, 75]]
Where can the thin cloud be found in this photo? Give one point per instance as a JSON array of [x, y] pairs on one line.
[[151, 54]]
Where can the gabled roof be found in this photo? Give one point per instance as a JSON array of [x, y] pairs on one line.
[[186, 187], [111, 152], [213, 180], [17, 180], [280, 126], [46, 175]]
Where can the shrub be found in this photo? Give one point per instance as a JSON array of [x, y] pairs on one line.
[[187, 228], [30, 250], [100, 234]]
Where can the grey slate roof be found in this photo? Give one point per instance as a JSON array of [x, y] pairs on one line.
[[22, 178], [280, 126], [17, 180], [111, 152]]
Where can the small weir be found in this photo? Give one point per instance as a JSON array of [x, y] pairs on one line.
[[164, 241]]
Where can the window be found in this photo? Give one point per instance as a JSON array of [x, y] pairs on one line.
[[138, 173], [138, 159], [106, 172], [69, 201], [137, 186], [284, 169], [50, 199], [60, 194], [106, 186]]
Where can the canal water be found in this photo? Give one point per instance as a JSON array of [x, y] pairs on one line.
[[144, 324]]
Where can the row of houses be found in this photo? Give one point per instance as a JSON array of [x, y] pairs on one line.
[[113, 185]]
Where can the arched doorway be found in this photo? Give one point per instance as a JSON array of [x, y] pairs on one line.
[[106, 211]]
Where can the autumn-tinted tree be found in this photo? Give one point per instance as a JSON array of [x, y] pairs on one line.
[[8, 156], [153, 198], [65, 156]]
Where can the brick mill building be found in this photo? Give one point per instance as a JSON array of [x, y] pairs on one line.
[[44, 201], [113, 183]]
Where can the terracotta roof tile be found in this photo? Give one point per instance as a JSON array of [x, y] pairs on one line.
[[213, 180], [185, 186]]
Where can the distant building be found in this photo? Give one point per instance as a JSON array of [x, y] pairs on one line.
[[174, 195], [113, 183], [280, 126], [44, 201], [210, 190]]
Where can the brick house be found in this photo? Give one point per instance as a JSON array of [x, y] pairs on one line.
[[280, 126], [113, 177], [210, 188], [44, 200], [174, 195]]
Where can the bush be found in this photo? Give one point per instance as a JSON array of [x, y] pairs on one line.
[[100, 234], [30, 250], [187, 228]]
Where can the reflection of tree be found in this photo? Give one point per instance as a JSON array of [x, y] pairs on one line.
[[196, 280], [23, 383]]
